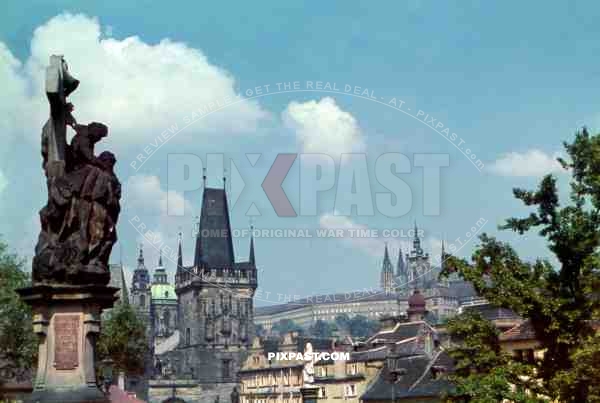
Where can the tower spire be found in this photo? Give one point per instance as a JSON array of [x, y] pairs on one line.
[[387, 272], [252, 261], [401, 266], [140, 255], [386, 255], [417, 241], [179, 253], [160, 262]]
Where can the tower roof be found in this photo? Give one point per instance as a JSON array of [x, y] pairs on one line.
[[417, 250], [252, 261], [416, 303], [387, 264], [214, 245], [179, 254], [141, 277], [401, 266]]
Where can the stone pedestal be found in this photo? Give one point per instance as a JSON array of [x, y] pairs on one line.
[[67, 321]]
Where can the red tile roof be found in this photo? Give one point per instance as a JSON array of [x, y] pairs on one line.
[[522, 331], [120, 396]]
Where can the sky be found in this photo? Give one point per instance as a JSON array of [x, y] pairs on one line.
[[488, 91]]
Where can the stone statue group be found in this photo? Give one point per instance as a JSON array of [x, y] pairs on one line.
[[78, 223]]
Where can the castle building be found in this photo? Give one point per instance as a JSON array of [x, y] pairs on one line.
[[414, 271]]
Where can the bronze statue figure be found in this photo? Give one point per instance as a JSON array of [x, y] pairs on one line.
[[79, 220]]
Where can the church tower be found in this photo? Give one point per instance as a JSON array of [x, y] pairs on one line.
[[419, 265], [387, 273], [215, 299], [401, 273], [140, 288]]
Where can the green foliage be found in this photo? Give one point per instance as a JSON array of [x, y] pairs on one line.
[[18, 346], [342, 321], [483, 373], [323, 329], [123, 340], [361, 326], [287, 325], [561, 301]]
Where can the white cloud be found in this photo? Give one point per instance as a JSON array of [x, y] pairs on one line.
[[143, 195], [157, 217], [533, 163], [322, 127], [138, 89], [373, 246]]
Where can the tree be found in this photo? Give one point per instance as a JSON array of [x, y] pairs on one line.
[[287, 325], [18, 345], [343, 321], [323, 329], [361, 326], [123, 340], [483, 373], [561, 302]]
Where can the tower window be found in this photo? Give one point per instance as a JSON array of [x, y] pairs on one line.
[[226, 369], [188, 336], [142, 300]]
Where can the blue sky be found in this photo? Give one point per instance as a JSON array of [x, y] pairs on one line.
[[512, 79]]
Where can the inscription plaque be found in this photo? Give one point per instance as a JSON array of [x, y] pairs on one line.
[[66, 337]]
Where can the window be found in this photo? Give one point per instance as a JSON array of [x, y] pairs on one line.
[[142, 300], [322, 392], [286, 376], [525, 356], [323, 371], [188, 336], [351, 369], [226, 369], [350, 390], [167, 318]]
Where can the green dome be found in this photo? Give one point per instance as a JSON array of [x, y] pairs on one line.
[[163, 291]]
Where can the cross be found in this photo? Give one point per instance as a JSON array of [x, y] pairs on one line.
[[59, 85]]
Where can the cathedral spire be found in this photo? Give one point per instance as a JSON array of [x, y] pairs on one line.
[[160, 262], [401, 266], [386, 257], [417, 242], [443, 256], [387, 272]]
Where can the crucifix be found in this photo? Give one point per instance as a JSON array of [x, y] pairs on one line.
[[59, 85]]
